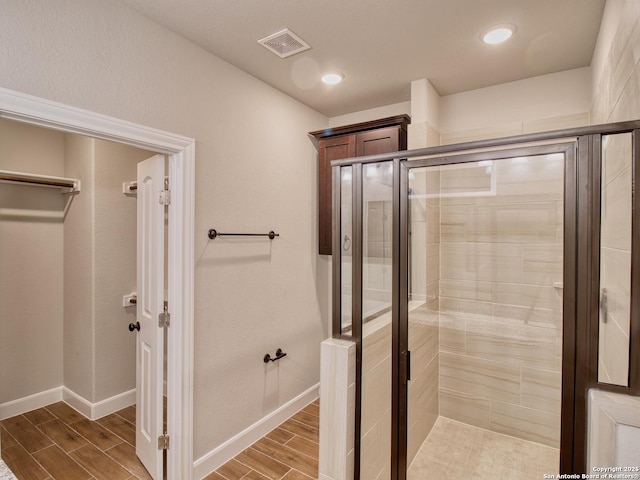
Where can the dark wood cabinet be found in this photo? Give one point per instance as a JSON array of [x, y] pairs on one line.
[[369, 138]]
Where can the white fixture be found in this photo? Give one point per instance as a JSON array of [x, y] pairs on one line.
[[332, 78], [284, 43], [498, 34]]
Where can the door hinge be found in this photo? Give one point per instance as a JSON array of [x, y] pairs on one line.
[[163, 442], [164, 318], [165, 197]]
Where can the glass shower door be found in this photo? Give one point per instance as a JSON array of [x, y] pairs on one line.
[[485, 313]]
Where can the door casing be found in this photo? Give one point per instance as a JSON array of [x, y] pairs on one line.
[[44, 113]]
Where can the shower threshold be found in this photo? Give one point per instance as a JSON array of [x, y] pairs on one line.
[[458, 450]]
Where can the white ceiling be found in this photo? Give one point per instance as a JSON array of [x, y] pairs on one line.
[[382, 45]]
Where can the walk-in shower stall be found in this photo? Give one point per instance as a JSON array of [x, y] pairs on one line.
[[487, 287]]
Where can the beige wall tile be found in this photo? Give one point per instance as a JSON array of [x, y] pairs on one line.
[[542, 264], [376, 447], [376, 342], [452, 333], [376, 393], [615, 212], [525, 423], [423, 343], [421, 422], [480, 377], [614, 353], [465, 408], [516, 345], [541, 389], [480, 261]]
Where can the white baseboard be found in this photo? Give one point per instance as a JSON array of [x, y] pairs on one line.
[[229, 449], [92, 411], [30, 402]]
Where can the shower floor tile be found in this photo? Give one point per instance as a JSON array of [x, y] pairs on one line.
[[457, 450]]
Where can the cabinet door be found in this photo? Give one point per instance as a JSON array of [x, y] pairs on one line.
[[335, 148], [381, 140]]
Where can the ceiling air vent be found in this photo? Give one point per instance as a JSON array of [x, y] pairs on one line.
[[284, 43]]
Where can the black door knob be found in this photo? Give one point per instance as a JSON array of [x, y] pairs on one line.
[[134, 326]]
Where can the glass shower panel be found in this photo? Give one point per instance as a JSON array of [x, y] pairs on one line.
[[346, 256], [377, 215], [615, 259], [423, 311], [485, 312]]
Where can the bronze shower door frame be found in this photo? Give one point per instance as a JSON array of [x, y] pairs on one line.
[[581, 147]]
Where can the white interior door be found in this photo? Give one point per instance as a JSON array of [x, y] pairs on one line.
[[150, 288]]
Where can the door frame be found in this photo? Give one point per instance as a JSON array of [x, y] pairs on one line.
[[40, 112]]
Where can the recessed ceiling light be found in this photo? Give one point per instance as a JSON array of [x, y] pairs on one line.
[[332, 78], [498, 34]]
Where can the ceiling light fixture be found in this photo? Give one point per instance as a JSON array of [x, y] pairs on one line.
[[497, 34], [332, 78]]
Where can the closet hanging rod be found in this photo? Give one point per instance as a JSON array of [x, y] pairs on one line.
[[41, 180], [213, 233]]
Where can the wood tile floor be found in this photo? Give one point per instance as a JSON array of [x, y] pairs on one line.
[[289, 452], [58, 443]]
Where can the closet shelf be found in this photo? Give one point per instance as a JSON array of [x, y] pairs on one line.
[[40, 180]]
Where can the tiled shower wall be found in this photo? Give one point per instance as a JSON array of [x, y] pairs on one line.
[[615, 260], [501, 298], [616, 90]]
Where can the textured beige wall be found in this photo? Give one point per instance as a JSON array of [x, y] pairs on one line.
[[79, 273], [31, 243], [255, 171], [548, 102], [115, 265]]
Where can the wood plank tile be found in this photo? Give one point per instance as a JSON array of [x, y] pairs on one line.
[[128, 413], [214, 476], [287, 456], [300, 429], [22, 464], [279, 435], [101, 466], [305, 446], [307, 419], [253, 475], [296, 475], [6, 438], [64, 412], [312, 409], [96, 434], [26, 433], [64, 436], [125, 455], [119, 426], [262, 463], [60, 465], [233, 470], [39, 416]]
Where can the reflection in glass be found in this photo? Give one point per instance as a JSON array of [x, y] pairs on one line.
[[615, 259], [346, 235]]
